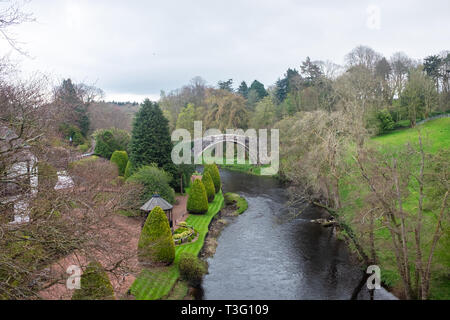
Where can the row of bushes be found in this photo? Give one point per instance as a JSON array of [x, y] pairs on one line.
[[204, 190]]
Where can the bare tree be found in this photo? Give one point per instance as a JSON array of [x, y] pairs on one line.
[[12, 14]]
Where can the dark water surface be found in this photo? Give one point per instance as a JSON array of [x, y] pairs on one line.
[[264, 255]]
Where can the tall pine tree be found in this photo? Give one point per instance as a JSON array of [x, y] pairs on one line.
[[150, 140]]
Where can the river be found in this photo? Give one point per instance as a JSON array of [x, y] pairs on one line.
[[264, 255]]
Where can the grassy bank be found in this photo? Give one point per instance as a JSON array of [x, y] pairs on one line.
[[157, 283], [436, 136], [235, 199]]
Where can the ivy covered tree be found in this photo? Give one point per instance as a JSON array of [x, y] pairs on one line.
[[209, 186], [150, 138], [156, 243], [198, 200], [95, 284]]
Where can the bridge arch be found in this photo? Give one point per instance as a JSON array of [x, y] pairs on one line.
[[211, 141]]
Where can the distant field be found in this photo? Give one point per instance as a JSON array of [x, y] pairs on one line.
[[437, 132], [436, 136]]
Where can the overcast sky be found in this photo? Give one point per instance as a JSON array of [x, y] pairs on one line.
[[133, 49]]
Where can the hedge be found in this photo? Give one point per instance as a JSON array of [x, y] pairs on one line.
[[198, 200], [120, 158], [215, 175], [156, 243], [95, 284], [209, 186]]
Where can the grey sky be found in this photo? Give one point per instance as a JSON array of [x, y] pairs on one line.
[[133, 49]]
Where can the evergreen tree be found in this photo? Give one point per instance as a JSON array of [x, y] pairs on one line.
[[156, 242], [150, 139], [95, 284], [209, 186], [215, 175], [243, 89], [198, 200], [259, 89], [226, 85], [128, 171]]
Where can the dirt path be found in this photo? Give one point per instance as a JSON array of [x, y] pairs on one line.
[[179, 210]]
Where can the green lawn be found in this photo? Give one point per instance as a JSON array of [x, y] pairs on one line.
[[437, 132], [156, 283], [436, 136]]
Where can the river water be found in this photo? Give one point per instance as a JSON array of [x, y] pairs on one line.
[[263, 254]]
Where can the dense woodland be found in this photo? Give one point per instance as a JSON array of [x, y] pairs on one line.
[[390, 203]]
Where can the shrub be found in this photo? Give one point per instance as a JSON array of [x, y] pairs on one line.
[[192, 268], [156, 243], [385, 122], [110, 140], [128, 170], [215, 175], [69, 130], [198, 200], [154, 181], [209, 186], [47, 176], [120, 158], [95, 284]]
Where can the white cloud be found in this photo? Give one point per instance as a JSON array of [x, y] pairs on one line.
[[141, 47]]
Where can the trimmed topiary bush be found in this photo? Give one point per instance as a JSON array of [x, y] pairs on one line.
[[120, 158], [128, 170], [154, 180], [209, 186], [95, 284], [192, 269], [156, 243], [215, 175], [198, 200]]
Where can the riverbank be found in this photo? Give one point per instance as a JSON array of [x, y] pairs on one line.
[[163, 282]]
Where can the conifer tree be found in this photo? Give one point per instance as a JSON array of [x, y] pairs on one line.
[[156, 243], [198, 200]]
